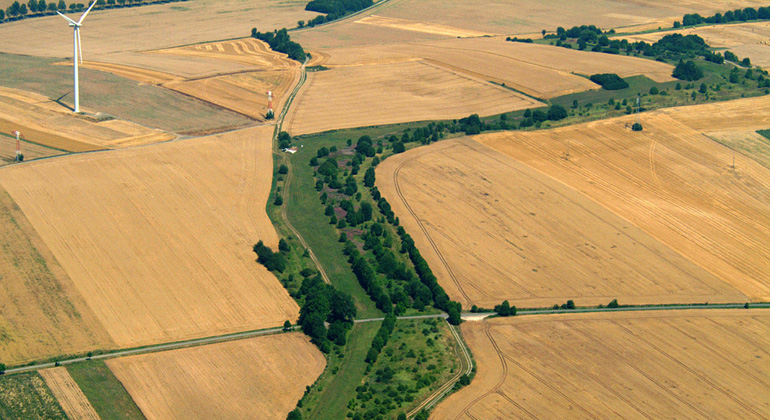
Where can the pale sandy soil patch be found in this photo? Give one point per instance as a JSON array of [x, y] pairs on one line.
[[415, 26], [158, 239], [42, 313], [494, 229], [69, 395], [671, 181], [391, 93], [696, 364], [262, 377]]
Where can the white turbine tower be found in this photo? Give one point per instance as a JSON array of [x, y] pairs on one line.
[[78, 52]]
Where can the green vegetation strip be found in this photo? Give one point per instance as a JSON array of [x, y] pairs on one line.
[[103, 390], [26, 396]]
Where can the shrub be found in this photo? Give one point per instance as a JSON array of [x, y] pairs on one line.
[[283, 169], [636, 127], [687, 70], [613, 304], [609, 81]]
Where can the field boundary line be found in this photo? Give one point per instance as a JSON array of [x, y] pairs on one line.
[[287, 182]]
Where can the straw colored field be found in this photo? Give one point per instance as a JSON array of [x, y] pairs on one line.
[[250, 51], [391, 93], [694, 364], [29, 150], [150, 27], [263, 377], [245, 93], [671, 181], [47, 123], [43, 314], [410, 25], [100, 91], [539, 70], [69, 395], [749, 143], [508, 17], [494, 229], [744, 39], [158, 239], [129, 72]]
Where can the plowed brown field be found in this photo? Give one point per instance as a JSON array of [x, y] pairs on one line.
[[260, 377], [158, 240], [42, 314], [69, 395], [493, 228], [687, 364], [392, 93]]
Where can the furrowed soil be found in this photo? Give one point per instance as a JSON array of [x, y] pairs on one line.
[[263, 376], [158, 239], [697, 364], [43, 313], [669, 180], [494, 229], [69, 395], [391, 93]]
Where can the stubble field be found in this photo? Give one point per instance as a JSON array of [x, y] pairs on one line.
[[391, 93], [262, 377], [158, 240], [695, 364], [68, 394], [43, 314], [493, 229]]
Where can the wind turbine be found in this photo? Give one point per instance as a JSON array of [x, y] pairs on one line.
[[78, 51]]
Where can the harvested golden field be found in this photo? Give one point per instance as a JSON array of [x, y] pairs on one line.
[[47, 123], [118, 31], [43, 314], [263, 376], [671, 181], [68, 394], [250, 51], [693, 364], [245, 93], [507, 17], [749, 143], [129, 72], [392, 93], [29, 150], [495, 229], [542, 71], [158, 239], [414, 26], [744, 39]]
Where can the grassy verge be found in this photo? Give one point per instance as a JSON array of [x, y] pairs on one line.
[[26, 396], [103, 390], [345, 371]]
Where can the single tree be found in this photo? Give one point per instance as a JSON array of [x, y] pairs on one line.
[[287, 326]]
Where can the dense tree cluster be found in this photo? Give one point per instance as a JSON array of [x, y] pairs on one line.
[[687, 70], [334, 9], [737, 15], [609, 81], [505, 309], [279, 40], [324, 304]]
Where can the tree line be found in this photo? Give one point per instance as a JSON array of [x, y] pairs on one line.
[[332, 10], [280, 40], [37, 8], [737, 15]]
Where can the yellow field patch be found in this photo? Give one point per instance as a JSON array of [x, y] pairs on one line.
[[415, 26], [68, 394], [158, 239], [249, 51], [696, 364], [261, 377], [392, 93]]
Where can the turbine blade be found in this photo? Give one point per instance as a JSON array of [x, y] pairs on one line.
[[68, 19], [80, 49], [89, 9]]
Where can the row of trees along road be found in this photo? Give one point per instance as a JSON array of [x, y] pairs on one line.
[[36, 8]]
